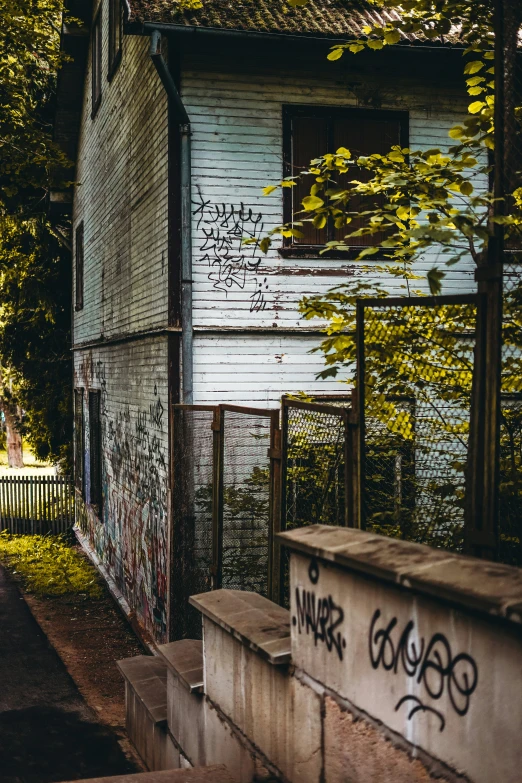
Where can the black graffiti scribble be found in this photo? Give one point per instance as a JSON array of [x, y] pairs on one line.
[[320, 617], [420, 707], [224, 227], [432, 665]]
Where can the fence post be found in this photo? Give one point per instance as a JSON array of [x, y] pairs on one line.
[[274, 549], [217, 498], [482, 507]]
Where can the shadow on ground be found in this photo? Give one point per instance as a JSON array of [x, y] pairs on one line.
[[40, 744]]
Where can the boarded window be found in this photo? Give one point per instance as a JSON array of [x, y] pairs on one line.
[[115, 36], [95, 450], [79, 442], [96, 64], [310, 132], [78, 256]]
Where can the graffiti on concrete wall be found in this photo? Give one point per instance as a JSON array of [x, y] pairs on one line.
[[131, 540], [232, 264], [429, 662]]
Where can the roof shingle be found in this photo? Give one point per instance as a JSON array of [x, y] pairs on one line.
[[344, 18]]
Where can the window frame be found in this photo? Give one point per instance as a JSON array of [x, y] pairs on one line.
[[95, 452], [289, 248], [115, 52], [96, 63], [79, 266], [79, 441]]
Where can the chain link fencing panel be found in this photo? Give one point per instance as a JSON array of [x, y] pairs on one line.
[[317, 468], [415, 373], [510, 480], [244, 502], [192, 560]]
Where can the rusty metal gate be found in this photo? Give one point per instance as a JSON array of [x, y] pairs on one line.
[[225, 503], [415, 370]]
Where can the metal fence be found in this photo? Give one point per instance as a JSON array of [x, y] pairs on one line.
[[415, 360], [226, 502], [245, 497], [36, 504]]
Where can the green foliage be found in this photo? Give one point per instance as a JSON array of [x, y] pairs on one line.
[[29, 61], [49, 565], [35, 285], [35, 273]]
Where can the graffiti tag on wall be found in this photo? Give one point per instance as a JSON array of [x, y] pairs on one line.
[[232, 264], [429, 662]]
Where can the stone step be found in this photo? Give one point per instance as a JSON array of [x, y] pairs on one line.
[[146, 711], [185, 659], [214, 774]]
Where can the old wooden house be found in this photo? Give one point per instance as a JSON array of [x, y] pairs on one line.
[[176, 120]]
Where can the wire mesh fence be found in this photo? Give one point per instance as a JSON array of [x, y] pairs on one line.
[[415, 374], [192, 541], [510, 454]]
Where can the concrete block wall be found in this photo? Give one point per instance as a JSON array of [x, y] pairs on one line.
[[396, 663]]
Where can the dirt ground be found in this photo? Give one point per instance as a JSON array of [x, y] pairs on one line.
[[90, 635]]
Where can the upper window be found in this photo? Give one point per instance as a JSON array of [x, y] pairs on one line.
[[308, 133], [96, 63], [115, 36], [78, 263]]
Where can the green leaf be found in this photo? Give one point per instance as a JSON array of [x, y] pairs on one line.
[[335, 54], [319, 220], [473, 67], [392, 36], [311, 203], [435, 277], [466, 188], [265, 244]]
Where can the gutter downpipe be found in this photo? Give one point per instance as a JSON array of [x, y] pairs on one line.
[[187, 332]]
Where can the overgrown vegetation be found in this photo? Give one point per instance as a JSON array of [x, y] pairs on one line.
[[49, 565]]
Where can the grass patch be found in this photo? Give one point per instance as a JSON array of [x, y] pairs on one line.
[[49, 565]]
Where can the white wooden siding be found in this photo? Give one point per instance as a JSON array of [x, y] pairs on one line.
[[237, 150], [122, 197]]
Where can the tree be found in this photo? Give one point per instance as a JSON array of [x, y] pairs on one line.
[[34, 254]]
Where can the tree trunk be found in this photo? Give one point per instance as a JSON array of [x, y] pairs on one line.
[[14, 439]]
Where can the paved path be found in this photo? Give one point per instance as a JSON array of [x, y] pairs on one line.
[[47, 732]]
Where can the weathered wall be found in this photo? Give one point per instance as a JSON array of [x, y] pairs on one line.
[[121, 196], [131, 538], [405, 664], [237, 149]]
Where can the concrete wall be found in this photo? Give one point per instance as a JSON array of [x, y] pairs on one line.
[[405, 667]]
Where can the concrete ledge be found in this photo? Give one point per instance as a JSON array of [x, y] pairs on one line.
[[255, 621], [185, 659], [148, 677], [146, 711], [214, 774], [480, 585]]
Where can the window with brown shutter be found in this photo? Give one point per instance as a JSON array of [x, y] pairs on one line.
[[308, 133], [96, 64], [95, 451], [78, 267], [79, 442], [115, 36]]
